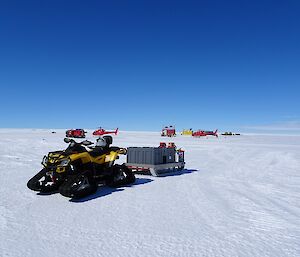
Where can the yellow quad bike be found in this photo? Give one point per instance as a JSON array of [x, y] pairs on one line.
[[78, 171]]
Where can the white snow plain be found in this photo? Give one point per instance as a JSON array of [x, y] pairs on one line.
[[239, 196]]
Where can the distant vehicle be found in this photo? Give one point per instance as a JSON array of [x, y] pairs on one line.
[[76, 133], [168, 131], [187, 132], [101, 131], [203, 133], [230, 134]]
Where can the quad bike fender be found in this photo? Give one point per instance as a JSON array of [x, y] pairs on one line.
[[84, 157], [112, 156]]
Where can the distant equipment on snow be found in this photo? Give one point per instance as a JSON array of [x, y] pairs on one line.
[[230, 134], [203, 133], [187, 132], [101, 131], [168, 131], [75, 133]]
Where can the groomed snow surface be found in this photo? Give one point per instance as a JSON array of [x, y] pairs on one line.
[[239, 196]]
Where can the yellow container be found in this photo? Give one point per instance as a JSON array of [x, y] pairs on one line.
[[187, 132]]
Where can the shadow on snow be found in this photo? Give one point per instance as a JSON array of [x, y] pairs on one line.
[[105, 190], [177, 173]]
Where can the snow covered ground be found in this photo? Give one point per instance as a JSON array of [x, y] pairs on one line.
[[239, 196]]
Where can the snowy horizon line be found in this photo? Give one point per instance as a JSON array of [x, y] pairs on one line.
[[262, 133]]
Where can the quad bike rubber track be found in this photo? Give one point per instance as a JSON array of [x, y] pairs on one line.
[[78, 186], [82, 185], [42, 182], [122, 176]]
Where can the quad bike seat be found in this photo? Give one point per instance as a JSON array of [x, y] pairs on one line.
[[114, 148], [75, 149], [108, 140], [99, 150]]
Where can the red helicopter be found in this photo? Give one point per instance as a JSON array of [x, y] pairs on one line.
[[203, 133], [101, 131]]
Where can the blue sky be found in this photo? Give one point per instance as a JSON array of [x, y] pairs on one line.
[[140, 65]]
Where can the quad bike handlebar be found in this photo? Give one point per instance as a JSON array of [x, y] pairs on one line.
[[76, 145], [70, 140]]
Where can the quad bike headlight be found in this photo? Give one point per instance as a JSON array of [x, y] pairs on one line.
[[64, 162]]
